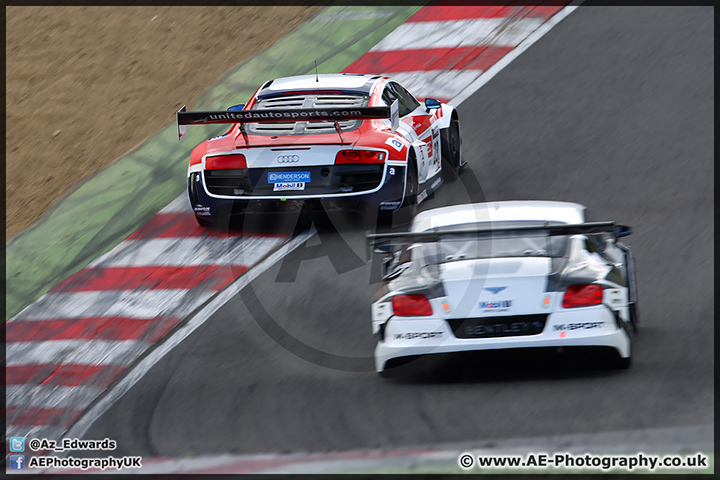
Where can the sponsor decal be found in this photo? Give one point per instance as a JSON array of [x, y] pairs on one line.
[[577, 326], [287, 158], [291, 115], [389, 205], [391, 170], [498, 305], [436, 183], [380, 311], [422, 196], [288, 177], [414, 335], [495, 290], [278, 187], [218, 137], [395, 143], [202, 211]]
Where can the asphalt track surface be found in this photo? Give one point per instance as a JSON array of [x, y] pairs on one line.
[[613, 108]]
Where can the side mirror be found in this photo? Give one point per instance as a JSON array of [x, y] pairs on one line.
[[236, 108], [431, 104], [386, 249], [622, 231]]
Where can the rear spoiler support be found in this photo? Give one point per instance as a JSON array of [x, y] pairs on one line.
[[339, 131]]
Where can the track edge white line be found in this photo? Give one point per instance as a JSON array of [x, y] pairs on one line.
[[164, 347]]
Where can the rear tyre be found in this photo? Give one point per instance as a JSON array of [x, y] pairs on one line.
[[408, 209], [450, 144], [619, 363], [634, 318], [622, 363], [412, 368], [204, 223], [411, 188]]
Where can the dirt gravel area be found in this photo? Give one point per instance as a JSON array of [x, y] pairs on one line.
[[85, 85]]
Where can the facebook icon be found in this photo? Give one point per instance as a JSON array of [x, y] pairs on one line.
[[17, 462]]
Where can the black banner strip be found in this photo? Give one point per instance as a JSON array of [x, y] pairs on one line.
[[281, 115]]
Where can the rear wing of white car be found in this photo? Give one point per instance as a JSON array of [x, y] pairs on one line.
[[389, 240], [185, 118]]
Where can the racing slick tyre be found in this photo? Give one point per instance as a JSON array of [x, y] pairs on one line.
[[634, 317], [414, 368], [204, 223], [220, 221], [620, 363], [408, 209], [617, 362], [450, 148], [411, 188]]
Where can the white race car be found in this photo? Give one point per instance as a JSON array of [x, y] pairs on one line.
[[502, 275]]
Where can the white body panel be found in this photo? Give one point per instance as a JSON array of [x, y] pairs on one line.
[[584, 326], [466, 284], [516, 290]]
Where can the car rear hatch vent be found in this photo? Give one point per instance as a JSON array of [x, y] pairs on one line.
[[307, 100], [337, 101], [295, 101], [278, 128]]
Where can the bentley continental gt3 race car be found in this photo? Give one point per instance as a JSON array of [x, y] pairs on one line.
[[504, 275], [345, 141]]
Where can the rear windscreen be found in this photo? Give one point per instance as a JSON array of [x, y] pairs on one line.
[[498, 245]]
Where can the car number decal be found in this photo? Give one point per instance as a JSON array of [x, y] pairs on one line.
[[395, 143]]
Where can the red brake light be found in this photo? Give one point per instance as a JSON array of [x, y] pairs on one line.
[[582, 296], [359, 156], [411, 305], [222, 162]]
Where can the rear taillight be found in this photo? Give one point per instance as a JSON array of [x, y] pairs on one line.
[[582, 296], [359, 156], [223, 162], [411, 306]]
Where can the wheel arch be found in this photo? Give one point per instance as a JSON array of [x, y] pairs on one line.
[[448, 113]]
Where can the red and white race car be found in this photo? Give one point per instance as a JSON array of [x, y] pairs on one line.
[[333, 141]]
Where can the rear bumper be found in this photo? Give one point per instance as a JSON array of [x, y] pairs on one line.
[[580, 327], [387, 195]]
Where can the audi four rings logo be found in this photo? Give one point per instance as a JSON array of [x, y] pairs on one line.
[[288, 159]]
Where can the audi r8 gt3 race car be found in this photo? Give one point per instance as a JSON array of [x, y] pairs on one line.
[[344, 141], [502, 275]]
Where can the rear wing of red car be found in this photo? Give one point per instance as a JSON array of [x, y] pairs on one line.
[[185, 118]]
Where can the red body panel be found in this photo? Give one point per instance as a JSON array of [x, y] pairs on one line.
[[371, 133]]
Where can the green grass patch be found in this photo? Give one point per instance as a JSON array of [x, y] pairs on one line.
[[101, 211]]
